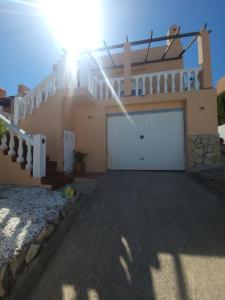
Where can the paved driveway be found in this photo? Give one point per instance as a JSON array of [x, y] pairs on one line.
[[145, 235]]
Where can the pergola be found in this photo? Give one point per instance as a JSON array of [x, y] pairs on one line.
[[149, 42]]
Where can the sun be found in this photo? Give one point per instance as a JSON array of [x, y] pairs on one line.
[[76, 24]]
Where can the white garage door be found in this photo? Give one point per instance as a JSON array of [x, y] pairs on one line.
[[146, 141]]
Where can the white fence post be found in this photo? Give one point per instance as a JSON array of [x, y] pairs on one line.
[[17, 110], [39, 155]]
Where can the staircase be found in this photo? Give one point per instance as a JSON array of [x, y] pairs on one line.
[[55, 179], [23, 160]]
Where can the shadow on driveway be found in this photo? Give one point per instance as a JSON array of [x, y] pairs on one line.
[[145, 235]]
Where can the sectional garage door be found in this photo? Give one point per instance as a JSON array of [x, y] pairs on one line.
[[146, 140]]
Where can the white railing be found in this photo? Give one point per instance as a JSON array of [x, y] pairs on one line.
[[147, 84], [167, 81], [34, 156], [101, 89], [25, 105]]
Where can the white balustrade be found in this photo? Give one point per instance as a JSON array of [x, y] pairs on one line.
[[20, 158], [35, 144], [148, 84], [166, 83], [11, 144], [3, 145], [143, 85], [29, 156], [100, 89], [173, 81], [151, 84], [25, 105]]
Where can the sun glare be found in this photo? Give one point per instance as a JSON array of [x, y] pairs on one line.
[[76, 24]]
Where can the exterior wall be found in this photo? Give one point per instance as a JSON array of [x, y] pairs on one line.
[[221, 130], [220, 86], [88, 117], [203, 150], [13, 174], [47, 120], [89, 124]]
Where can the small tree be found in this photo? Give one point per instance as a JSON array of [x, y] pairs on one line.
[[221, 108]]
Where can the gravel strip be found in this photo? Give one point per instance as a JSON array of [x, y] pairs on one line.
[[24, 211]]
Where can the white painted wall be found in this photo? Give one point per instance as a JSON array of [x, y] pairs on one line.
[[221, 130]]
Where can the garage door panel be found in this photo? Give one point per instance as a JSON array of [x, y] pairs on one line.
[[162, 145]]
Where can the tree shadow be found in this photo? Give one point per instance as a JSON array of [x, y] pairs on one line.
[[129, 242]]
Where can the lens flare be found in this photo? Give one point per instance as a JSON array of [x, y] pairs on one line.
[[76, 24]]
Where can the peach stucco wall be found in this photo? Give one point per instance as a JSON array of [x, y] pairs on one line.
[[13, 173], [220, 86], [88, 117], [47, 120], [88, 120], [89, 123]]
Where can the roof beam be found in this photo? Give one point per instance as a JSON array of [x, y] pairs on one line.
[[141, 63], [153, 40], [171, 43], [110, 56], [188, 46], [149, 44]]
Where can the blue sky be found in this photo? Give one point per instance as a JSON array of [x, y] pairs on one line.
[[28, 48]]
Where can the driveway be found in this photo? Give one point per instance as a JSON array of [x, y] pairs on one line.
[[144, 235]]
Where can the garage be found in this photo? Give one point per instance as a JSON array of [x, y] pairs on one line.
[[146, 140]]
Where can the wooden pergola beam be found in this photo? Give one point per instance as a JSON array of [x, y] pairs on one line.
[[171, 43], [192, 41], [141, 63], [188, 46], [149, 44], [110, 55], [147, 41]]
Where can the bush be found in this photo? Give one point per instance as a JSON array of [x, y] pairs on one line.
[[221, 108], [80, 156], [3, 128]]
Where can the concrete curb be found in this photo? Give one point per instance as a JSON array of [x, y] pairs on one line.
[[27, 281]]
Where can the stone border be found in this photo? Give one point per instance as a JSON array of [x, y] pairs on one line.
[[21, 273], [203, 151]]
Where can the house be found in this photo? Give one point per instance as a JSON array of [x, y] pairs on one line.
[[220, 88], [134, 108], [6, 104]]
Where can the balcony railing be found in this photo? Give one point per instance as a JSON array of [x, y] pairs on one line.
[[147, 84]]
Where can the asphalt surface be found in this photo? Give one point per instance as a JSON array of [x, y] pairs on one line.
[[144, 235]]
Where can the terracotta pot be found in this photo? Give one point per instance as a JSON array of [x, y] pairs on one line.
[[79, 168]]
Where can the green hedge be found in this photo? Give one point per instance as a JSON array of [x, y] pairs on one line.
[[221, 108]]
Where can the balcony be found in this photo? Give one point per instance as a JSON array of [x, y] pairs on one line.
[[147, 84]]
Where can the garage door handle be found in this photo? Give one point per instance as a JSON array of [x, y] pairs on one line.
[[141, 136]]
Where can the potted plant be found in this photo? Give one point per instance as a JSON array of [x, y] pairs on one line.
[[80, 162]]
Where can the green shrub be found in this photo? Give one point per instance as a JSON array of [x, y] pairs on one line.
[[221, 108], [80, 156]]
